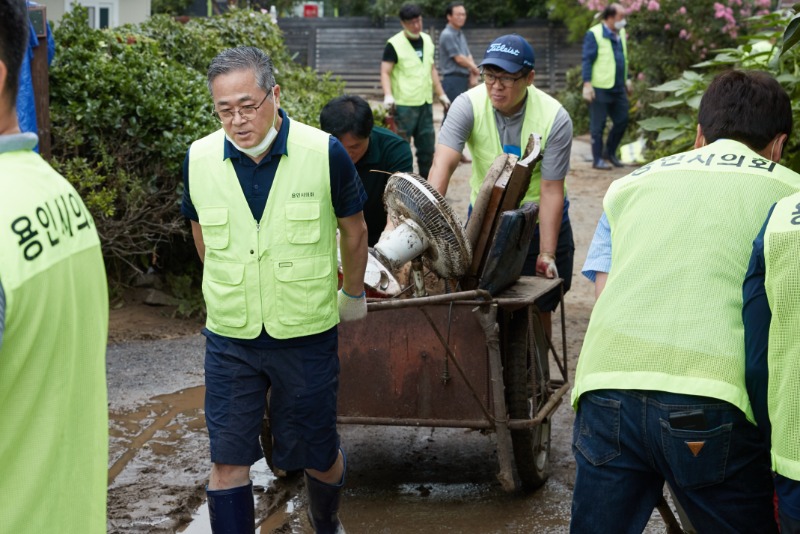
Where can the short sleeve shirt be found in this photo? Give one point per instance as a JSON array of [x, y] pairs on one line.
[[452, 43]]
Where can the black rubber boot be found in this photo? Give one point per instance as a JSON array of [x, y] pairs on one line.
[[232, 511], [323, 503]]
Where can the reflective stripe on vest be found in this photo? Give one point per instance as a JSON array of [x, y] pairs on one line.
[[53, 403], [670, 316], [604, 68], [484, 141], [412, 84], [280, 271], [782, 283]]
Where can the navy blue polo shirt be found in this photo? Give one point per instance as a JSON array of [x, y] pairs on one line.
[[347, 195], [756, 315]]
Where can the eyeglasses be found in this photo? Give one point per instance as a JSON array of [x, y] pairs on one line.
[[506, 81], [247, 113]]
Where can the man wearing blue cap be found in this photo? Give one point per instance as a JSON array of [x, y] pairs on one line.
[[498, 117]]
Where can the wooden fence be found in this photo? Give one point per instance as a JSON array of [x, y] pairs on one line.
[[352, 48]]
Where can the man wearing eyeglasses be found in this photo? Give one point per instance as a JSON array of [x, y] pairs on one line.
[[498, 116], [265, 195]]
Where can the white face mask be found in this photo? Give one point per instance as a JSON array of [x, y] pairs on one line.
[[620, 24], [265, 143]]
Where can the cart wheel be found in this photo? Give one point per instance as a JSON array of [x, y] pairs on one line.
[[267, 445], [526, 373]]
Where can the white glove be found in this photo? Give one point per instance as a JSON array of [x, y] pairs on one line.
[[445, 101], [352, 308], [588, 92], [388, 101], [629, 87], [546, 265]]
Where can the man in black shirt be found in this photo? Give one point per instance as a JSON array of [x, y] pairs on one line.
[[376, 153]]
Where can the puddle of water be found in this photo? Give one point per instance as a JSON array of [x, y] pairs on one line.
[[262, 477], [161, 430]]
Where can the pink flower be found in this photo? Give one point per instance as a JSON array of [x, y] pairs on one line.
[[683, 34], [682, 10], [667, 26], [653, 5], [640, 76]]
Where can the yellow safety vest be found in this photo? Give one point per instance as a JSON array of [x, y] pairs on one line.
[[484, 140], [53, 402], [280, 271], [604, 68], [782, 283], [412, 84], [670, 316]]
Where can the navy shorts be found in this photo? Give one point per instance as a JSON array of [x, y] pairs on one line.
[[303, 383]]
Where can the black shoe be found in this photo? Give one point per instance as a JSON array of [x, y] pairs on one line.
[[601, 165], [615, 162]]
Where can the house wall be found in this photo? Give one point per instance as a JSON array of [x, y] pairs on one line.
[[123, 11]]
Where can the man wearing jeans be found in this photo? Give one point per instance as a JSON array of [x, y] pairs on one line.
[[606, 85], [660, 385]]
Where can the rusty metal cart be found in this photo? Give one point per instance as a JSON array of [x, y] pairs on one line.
[[466, 358]]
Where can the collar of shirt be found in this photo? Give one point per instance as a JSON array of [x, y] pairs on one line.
[[21, 141], [278, 147], [608, 34], [453, 28], [372, 155]]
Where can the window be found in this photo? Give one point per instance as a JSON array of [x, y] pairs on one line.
[[102, 14]]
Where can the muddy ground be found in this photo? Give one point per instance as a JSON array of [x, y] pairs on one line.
[[400, 480]]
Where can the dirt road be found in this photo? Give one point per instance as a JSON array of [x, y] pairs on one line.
[[400, 480]]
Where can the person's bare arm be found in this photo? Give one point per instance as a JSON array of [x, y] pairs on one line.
[[445, 161], [353, 246], [437, 83], [551, 208], [468, 63], [599, 283], [386, 80], [197, 234]]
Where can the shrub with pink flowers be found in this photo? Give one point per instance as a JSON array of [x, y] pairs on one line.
[[668, 36]]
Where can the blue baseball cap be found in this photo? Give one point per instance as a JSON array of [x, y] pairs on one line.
[[510, 52]]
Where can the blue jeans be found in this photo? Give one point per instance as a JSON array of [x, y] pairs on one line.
[[625, 448], [612, 104]]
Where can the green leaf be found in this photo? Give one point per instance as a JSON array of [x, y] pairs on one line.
[[669, 103], [692, 76], [791, 36], [669, 134], [654, 124], [669, 86], [694, 102]]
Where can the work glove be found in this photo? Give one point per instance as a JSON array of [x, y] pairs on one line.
[[445, 101], [388, 101], [588, 92], [352, 308], [546, 265], [629, 87]]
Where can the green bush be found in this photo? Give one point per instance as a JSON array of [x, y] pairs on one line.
[[126, 103], [675, 121]]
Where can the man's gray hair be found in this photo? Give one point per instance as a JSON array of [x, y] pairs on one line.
[[243, 58]]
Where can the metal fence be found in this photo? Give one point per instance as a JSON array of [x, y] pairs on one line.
[[352, 47]]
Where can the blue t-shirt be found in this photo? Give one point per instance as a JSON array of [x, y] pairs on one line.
[[757, 316], [347, 195]]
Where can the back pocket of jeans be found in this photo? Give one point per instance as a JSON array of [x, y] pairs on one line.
[[697, 457], [596, 432]]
